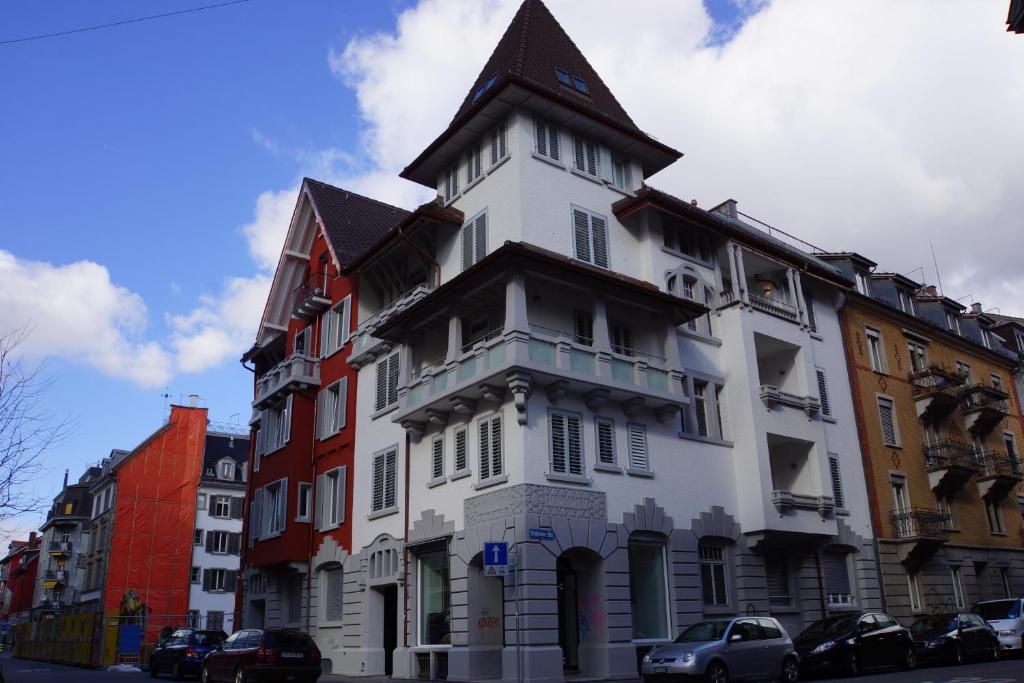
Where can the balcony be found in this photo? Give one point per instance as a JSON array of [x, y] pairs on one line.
[[787, 500], [949, 464], [984, 407], [60, 548], [775, 307], [298, 372], [772, 395], [998, 474], [312, 296], [366, 347], [920, 532], [936, 392]]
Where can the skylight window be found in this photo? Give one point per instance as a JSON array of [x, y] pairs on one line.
[[574, 82], [485, 87]]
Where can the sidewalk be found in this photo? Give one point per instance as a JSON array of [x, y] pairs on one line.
[[334, 678]]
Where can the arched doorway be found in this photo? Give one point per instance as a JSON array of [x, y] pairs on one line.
[[582, 612]]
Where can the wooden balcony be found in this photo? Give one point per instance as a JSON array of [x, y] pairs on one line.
[[919, 532], [936, 392], [984, 407], [999, 473], [949, 464]]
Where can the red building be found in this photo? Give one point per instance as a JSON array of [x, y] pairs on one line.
[[18, 578], [304, 400]]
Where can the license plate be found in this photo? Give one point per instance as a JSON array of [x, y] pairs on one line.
[[661, 670], [292, 655]]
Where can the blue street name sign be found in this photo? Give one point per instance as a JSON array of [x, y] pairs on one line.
[[542, 535]]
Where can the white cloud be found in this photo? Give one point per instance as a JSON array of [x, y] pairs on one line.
[[871, 126], [76, 311]]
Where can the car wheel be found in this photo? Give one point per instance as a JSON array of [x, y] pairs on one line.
[[790, 670], [176, 672], [239, 676], [992, 654], [153, 673], [716, 673], [909, 661], [204, 675], [852, 665], [958, 654]]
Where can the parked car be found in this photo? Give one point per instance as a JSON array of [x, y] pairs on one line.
[[744, 648], [1007, 618], [182, 653], [850, 643], [954, 637], [271, 655]]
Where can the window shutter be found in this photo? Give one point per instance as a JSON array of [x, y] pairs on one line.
[[811, 320], [558, 445], [485, 451], [345, 321], [342, 493], [836, 571], [206, 579], [321, 481], [325, 333], [605, 441], [460, 449], [837, 481], [321, 412], [467, 246], [575, 439], [287, 420], [777, 577], [252, 523], [282, 511], [553, 143], [230, 580], [391, 472], [591, 150], [502, 141], [580, 154], [494, 146], [437, 458], [637, 435], [334, 587], [392, 379], [382, 384], [342, 404], [476, 161], [378, 482], [542, 138], [888, 427], [581, 233], [600, 232], [481, 237], [826, 407], [236, 507], [209, 541], [497, 463], [234, 543]]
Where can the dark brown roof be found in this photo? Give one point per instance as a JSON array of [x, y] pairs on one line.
[[434, 210], [353, 223], [534, 45]]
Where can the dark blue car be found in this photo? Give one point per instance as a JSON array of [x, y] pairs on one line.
[[183, 652]]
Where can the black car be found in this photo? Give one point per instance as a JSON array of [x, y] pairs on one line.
[[953, 637], [264, 656], [183, 652], [850, 643]]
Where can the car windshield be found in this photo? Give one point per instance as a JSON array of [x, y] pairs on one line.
[[935, 623], [207, 638], [999, 609], [833, 626], [285, 641], [703, 631]]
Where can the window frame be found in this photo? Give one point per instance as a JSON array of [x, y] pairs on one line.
[[591, 257], [914, 589], [883, 400], [726, 585], [570, 431], [332, 409], [336, 327], [389, 401], [876, 350], [959, 597], [550, 152], [486, 474], [304, 497], [388, 477], [422, 595], [662, 549], [588, 153]]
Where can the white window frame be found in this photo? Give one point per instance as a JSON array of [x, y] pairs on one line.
[[385, 481], [586, 157], [953, 322], [876, 349], [862, 282], [888, 401], [619, 176], [218, 502], [333, 409], [492, 450], [336, 327], [274, 517], [460, 455], [275, 427], [546, 142], [706, 555], [387, 381], [595, 241], [564, 429], [606, 456], [498, 143], [218, 541], [214, 573], [304, 498], [226, 470], [637, 448], [332, 497], [919, 353], [437, 459], [914, 588], [958, 587], [195, 575], [473, 240]]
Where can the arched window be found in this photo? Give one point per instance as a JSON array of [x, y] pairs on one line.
[[648, 584], [332, 588]]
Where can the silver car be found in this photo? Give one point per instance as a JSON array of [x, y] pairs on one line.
[[748, 648], [1007, 618]]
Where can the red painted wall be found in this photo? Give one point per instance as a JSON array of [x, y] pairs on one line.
[[22, 584], [154, 518]]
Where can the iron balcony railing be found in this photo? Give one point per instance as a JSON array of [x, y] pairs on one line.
[[949, 453], [984, 396], [920, 523], [934, 379], [999, 464], [60, 546], [316, 286]]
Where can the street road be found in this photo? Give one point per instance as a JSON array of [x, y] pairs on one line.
[[1005, 671]]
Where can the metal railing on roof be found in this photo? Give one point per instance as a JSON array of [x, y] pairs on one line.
[[781, 235]]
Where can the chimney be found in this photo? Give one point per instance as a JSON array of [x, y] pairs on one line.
[[726, 208], [193, 400], [31, 538], [976, 308], [929, 290], [65, 478]]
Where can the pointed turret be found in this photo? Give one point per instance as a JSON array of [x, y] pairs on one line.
[[536, 64]]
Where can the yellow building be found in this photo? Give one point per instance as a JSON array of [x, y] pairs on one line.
[[940, 429]]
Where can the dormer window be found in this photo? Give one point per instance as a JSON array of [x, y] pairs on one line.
[[861, 279], [488, 84], [985, 340], [953, 322], [226, 470], [906, 301], [570, 81]]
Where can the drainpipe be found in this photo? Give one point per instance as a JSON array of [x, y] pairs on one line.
[[314, 339], [821, 584], [405, 532]]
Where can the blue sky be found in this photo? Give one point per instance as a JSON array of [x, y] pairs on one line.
[[145, 165]]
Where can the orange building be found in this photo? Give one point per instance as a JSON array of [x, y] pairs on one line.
[[940, 431]]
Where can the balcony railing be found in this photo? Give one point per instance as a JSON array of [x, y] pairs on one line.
[[62, 547], [999, 464], [933, 379], [949, 453], [58, 575], [920, 523], [312, 296], [363, 341], [772, 394], [774, 307], [786, 500], [984, 407], [298, 371]]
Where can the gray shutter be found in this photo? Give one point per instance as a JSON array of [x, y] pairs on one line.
[[467, 245], [378, 482], [837, 482], [637, 436], [811, 320], [600, 232], [497, 463], [605, 441], [236, 507], [382, 384], [390, 478], [581, 234], [209, 541], [575, 440], [206, 579], [230, 581], [542, 138], [318, 507], [460, 450], [836, 571], [325, 333], [334, 586], [581, 162], [283, 512], [481, 237], [392, 379], [234, 544], [288, 420], [591, 150], [485, 450], [777, 576], [826, 406], [558, 454], [342, 407], [553, 143], [437, 458], [342, 493], [345, 320]]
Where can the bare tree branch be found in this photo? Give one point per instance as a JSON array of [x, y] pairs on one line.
[[27, 431]]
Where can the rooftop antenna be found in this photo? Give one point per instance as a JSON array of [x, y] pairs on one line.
[[166, 395], [935, 261], [919, 268]]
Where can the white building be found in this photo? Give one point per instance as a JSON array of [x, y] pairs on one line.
[[218, 532], [646, 400]]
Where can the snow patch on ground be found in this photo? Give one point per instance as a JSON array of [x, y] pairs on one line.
[[124, 667]]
